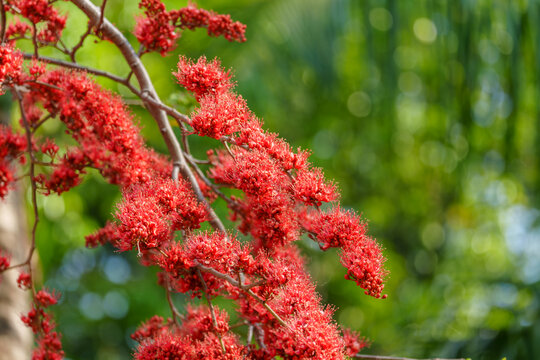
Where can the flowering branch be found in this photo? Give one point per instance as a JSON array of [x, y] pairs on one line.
[[148, 91], [277, 193]]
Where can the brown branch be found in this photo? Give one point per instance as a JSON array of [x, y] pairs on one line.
[[208, 182], [80, 43], [181, 118], [248, 290], [212, 313], [75, 66], [32, 156], [260, 335], [175, 313], [34, 41], [148, 92], [4, 24]]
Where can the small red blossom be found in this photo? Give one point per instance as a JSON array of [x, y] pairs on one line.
[[24, 281], [46, 298], [108, 234], [49, 346], [354, 343], [5, 261]]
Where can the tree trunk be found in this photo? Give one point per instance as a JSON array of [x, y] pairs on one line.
[[15, 337]]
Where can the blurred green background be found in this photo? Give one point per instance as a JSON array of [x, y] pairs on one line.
[[427, 115]]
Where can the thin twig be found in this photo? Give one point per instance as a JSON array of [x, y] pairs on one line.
[[31, 154], [72, 65], [212, 313], [208, 182], [233, 282], [102, 15], [175, 313]]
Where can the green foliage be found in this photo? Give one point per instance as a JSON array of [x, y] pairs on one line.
[[425, 112]]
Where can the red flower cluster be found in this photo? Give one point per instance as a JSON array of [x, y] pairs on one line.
[[48, 340], [360, 254], [102, 126], [38, 11], [24, 281], [222, 112], [151, 212], [310, 331], [156, 31], [268, 209], [195, 338], [12, 147], [10, 66], [203, 77], [217, 25], [17, 30]]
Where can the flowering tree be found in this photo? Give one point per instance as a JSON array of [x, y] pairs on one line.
[[166, 198]]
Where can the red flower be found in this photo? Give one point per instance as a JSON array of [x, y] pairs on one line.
[[203, 77]]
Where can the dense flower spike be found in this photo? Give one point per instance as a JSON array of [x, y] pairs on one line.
[[361, 255], [272, 191], [103, 127], [191, 18], [156, 31], [16, 30], [268, 210]]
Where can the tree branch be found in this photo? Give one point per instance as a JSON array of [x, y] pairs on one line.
[[112, 34]]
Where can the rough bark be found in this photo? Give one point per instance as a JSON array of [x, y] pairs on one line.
[[15, 338]]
